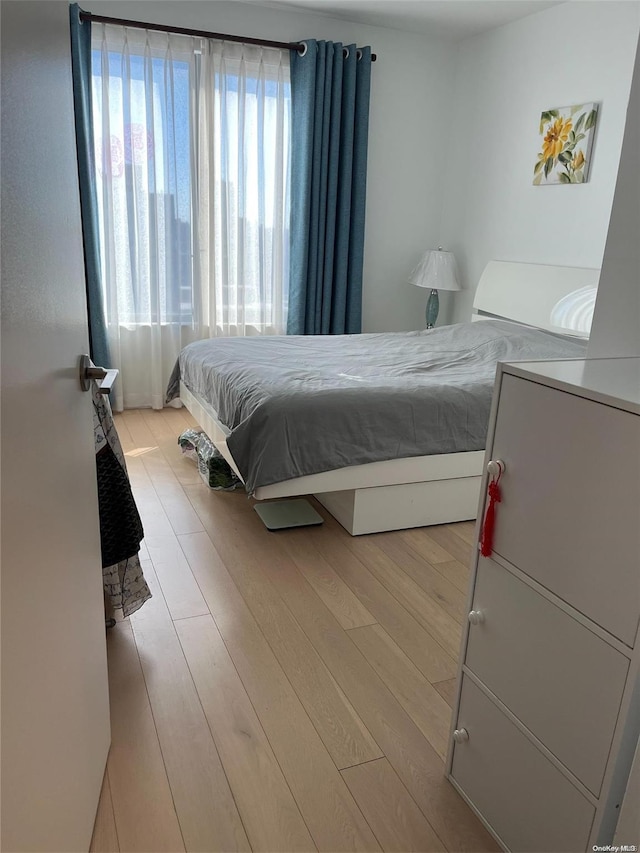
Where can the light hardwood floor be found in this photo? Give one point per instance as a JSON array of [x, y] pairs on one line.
[[283, 691]]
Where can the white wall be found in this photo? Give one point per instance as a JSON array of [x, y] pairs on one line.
[[616, 320], [573, 53], [410, 92]]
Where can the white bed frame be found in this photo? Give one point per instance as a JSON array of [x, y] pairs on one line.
[[422, 490]]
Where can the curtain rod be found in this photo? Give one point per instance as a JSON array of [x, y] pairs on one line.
[[103, 19]]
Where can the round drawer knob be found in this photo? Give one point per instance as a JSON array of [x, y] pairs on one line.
[[461, 735], [495, 467], [476, 617]]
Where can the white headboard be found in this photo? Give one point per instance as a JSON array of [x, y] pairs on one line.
[[528, 293]]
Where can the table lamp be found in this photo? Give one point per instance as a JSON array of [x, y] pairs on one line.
[[437, 270]]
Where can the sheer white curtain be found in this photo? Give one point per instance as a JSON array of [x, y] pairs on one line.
[[243, 198], [192, 172]]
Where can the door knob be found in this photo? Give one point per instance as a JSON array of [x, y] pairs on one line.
[[495, 467], [476, 617], [460, 735], [104, 378]]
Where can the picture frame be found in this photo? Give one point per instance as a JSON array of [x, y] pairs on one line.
[[565, 144]]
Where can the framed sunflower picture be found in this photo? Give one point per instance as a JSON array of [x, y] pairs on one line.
[[564, 154]]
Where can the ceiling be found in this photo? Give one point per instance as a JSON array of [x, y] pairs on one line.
[[451, 19]]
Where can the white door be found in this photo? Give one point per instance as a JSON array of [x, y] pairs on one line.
[[55, 712], [577, 539], [629, 824]]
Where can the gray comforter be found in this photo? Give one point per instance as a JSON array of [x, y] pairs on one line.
[[300, 405]]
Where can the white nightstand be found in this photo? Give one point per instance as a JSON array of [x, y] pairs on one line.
[[548, 711]]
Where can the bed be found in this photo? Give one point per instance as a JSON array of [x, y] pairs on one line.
[[386, 430]]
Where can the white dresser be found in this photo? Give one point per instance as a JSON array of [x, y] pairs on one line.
[[548, 712]]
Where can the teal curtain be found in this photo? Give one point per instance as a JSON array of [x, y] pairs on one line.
[[81, 68], [330, 86]]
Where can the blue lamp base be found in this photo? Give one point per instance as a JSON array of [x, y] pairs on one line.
[[433, 306]]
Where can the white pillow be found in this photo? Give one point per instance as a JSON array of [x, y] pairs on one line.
[[575, 310]]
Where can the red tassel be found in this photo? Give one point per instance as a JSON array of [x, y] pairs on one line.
[[486, 540]]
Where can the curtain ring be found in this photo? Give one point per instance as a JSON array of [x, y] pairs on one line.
[[345, 53], [306, 48], [358, 54]]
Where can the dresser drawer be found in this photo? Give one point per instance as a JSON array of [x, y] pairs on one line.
[[561, 680], [527, 801], [570, 498]]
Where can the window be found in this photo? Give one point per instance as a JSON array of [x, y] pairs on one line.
[[192, 174], [144, 167]]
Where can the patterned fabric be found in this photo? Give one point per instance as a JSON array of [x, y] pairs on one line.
[[120, 526]]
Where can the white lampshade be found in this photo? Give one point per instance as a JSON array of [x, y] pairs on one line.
[[437, 270]]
